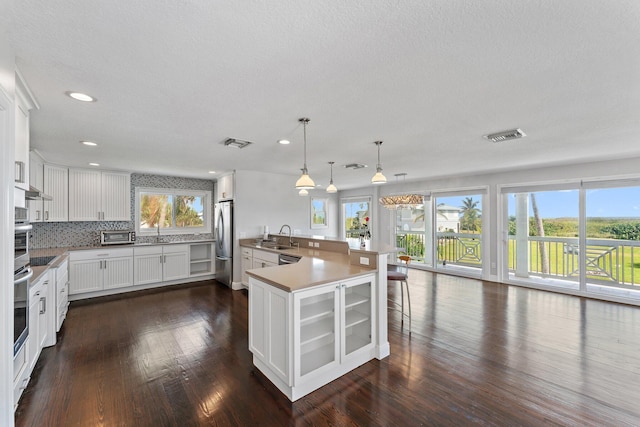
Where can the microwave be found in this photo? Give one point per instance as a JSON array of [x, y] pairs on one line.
[[117, 237]]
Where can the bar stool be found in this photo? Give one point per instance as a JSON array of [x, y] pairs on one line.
[[401, 275]]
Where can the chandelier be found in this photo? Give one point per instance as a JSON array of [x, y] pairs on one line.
[[402, 201]]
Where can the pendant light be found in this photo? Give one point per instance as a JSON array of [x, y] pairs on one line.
[[331, 188], [305, 182], [303, 193], [401, 201], [378, 178]]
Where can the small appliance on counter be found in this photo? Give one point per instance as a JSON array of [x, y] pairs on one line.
[[117, 237]]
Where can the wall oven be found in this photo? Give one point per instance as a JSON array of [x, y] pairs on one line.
[[21, 274]]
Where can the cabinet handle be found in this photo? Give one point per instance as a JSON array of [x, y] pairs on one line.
[[37, 294], [164, 259], [43, 305], [37, 215], [46, 215], [344, 286]]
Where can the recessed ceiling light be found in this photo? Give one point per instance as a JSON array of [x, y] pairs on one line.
[[79, 96], [284, 142], [212, 171], [94, 164], [89, 143]]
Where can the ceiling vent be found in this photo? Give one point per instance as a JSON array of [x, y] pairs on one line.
[[506, 135], [355, 166], [237, 143]]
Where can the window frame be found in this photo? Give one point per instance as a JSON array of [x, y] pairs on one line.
[[175, 192]]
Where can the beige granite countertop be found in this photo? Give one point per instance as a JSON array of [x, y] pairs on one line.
[[316, 267]]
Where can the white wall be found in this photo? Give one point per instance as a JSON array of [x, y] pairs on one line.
[[7, 157], [272, 200]]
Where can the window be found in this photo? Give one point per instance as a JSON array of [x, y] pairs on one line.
[[356, 217], [172, 210]]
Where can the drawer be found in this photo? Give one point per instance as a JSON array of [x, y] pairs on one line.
[[147, 250], [100, 254], [271, 257], [247, 252], [175, 249], [62, 270]]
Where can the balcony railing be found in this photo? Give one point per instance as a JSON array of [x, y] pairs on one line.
[[609, 262]]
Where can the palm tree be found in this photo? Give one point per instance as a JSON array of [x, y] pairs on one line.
[[470, 213], [544, 256]]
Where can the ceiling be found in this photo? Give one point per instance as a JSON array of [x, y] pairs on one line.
[[174, 79]]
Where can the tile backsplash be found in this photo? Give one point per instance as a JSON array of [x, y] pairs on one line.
[[87, 233]]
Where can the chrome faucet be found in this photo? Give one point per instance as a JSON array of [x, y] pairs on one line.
[[290, 238]]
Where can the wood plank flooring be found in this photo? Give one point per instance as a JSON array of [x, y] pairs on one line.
[[480, 354]]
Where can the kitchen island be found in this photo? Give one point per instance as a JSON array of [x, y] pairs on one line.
[[314, 321]]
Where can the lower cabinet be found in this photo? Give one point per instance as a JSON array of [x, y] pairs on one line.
[[246, 263], [153, 264], [39, 303], [262, 259], [305, 339], [96, 270]]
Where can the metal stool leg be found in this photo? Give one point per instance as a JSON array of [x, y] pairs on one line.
[[408, 303]]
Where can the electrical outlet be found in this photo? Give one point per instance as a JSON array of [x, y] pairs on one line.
[[364, 260], [316, 244], [310, 244]]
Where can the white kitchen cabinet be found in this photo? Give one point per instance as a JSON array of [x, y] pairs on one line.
[[161, 263], [56, 185], [38, 328], [59, 299], [262, 259], [24, 102], [96, 270], [36, 179], [201, 256], [305, 339], [246, 263], [99, 195], [225, 187], [21, 373]]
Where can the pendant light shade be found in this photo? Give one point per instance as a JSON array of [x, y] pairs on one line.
[[378, 178], [332, 188], [305, 182], [400, 201]]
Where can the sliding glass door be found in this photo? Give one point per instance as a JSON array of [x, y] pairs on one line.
[[584, 236]]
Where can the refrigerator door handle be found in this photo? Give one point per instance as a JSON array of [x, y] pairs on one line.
[[223, 258]]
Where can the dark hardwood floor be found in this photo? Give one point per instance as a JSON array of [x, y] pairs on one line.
[[480, 353]]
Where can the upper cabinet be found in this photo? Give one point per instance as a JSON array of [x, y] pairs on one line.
[[99, 195], [36, 180], [56, 185], [224, 187], [24, 102]]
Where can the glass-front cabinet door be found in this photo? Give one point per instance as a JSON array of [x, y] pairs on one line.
[[357, 311], [316, 330]]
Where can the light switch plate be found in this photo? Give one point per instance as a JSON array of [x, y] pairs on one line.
[[316, 244], [310, 244]]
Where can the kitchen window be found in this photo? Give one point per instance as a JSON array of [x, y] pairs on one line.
[[173, 211]]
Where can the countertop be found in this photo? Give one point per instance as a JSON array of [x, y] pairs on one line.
[[316, 267], [61, 253]]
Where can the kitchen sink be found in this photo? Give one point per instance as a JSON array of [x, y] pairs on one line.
[[277, 247]]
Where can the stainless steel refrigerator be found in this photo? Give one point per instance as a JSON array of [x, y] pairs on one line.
[[224, 242]]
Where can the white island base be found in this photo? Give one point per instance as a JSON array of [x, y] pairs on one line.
[[304, 339]]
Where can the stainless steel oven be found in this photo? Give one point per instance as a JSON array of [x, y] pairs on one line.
[[21, 274]]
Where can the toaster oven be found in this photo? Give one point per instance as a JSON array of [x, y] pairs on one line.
[[117, 237]]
